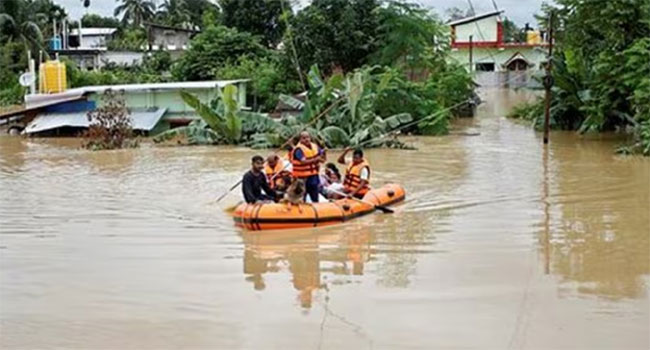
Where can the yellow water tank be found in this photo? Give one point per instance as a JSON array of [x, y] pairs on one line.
[[52, 78], [533, 37]]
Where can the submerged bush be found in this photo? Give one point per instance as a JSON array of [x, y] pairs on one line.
[[110, 125]]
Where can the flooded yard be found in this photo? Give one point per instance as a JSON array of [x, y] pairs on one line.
[[500, 244]]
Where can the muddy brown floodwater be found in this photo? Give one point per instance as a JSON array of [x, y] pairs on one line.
[[499, 245]]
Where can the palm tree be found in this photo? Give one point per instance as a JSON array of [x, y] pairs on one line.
[[18, 21], [135, 11], [174, 12]]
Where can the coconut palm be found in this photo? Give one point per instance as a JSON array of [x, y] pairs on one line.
[[18, 22], [135, 11], [174, 12]]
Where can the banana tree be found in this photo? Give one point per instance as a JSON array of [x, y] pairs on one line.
[[226, 123], [355, 122]]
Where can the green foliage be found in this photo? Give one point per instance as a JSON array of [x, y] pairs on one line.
[[94, 20], [152, 70], [335, 33], [512, 33], [129, 39], [258, 17], [269, 78], [28, 21], [215, 47], [174, 13], [601, 67], [409, 36], [227, 123], [445, 87], [135, 12], [12, 61]]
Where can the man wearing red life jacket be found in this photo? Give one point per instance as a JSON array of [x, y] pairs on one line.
[[306, 158], [357, 175]]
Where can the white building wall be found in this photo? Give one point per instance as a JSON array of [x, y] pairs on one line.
[[93, 41], [120, 57], [499, 56], [482, 30]]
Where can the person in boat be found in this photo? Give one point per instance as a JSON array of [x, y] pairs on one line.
[[331, 182], [357, 174], [254, 182], [278, 172], [306, 158]]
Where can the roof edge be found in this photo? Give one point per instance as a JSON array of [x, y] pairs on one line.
[[475, 17]]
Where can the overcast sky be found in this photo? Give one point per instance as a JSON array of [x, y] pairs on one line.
[[520, 11]]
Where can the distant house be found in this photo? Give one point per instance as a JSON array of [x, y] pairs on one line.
[[153, 107], [91, 38], [489, 50], [88, 47], [167, 38]]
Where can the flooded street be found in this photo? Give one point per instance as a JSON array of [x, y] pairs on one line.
[[499, 245]]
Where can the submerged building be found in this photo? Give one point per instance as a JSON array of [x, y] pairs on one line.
[[153, 108]]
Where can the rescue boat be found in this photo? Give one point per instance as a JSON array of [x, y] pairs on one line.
[[279, 216]]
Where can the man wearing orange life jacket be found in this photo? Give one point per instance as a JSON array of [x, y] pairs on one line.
[[278, 172], [306, 158], [357, 175]]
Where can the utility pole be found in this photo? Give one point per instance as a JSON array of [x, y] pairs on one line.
[[548, 80], [471, 58]]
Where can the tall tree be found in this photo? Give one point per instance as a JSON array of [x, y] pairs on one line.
[[410, 37], [512, 32], [335, 33], [198, 9], [258, 17], [135, 11], [27, 20], [95, 20], [213, 48], [174, 13]]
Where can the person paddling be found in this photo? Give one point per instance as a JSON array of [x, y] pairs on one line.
[[254, 182], [306, 158], [357, 175]]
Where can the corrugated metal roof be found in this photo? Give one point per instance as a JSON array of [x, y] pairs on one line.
[[39, 104], [140, 120], [93, 31], [475, 18], [158, 86]]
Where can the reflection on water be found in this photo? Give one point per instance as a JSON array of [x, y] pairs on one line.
[[501, 243], [306, 258], [600, 240]]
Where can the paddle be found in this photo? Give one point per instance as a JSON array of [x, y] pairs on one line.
[[385, 210]]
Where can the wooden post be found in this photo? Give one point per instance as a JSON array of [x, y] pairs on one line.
[[548, 80], [471, 58]]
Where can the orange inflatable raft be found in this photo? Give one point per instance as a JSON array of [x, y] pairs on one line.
[[276, 216]]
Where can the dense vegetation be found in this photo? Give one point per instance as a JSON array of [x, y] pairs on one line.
[[601, 70], [367, 67]]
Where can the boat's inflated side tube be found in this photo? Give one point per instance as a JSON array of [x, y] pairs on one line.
[[275, 216]]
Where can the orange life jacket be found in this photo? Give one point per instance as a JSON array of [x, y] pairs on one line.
[[271, 177], [353, 178], [300, 169]]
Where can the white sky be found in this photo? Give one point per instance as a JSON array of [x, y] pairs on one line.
[[520, 11]]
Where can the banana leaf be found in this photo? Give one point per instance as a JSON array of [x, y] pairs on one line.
[[334, 136], [211, 118], [398, 120], [292, 101], [189, 135]]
